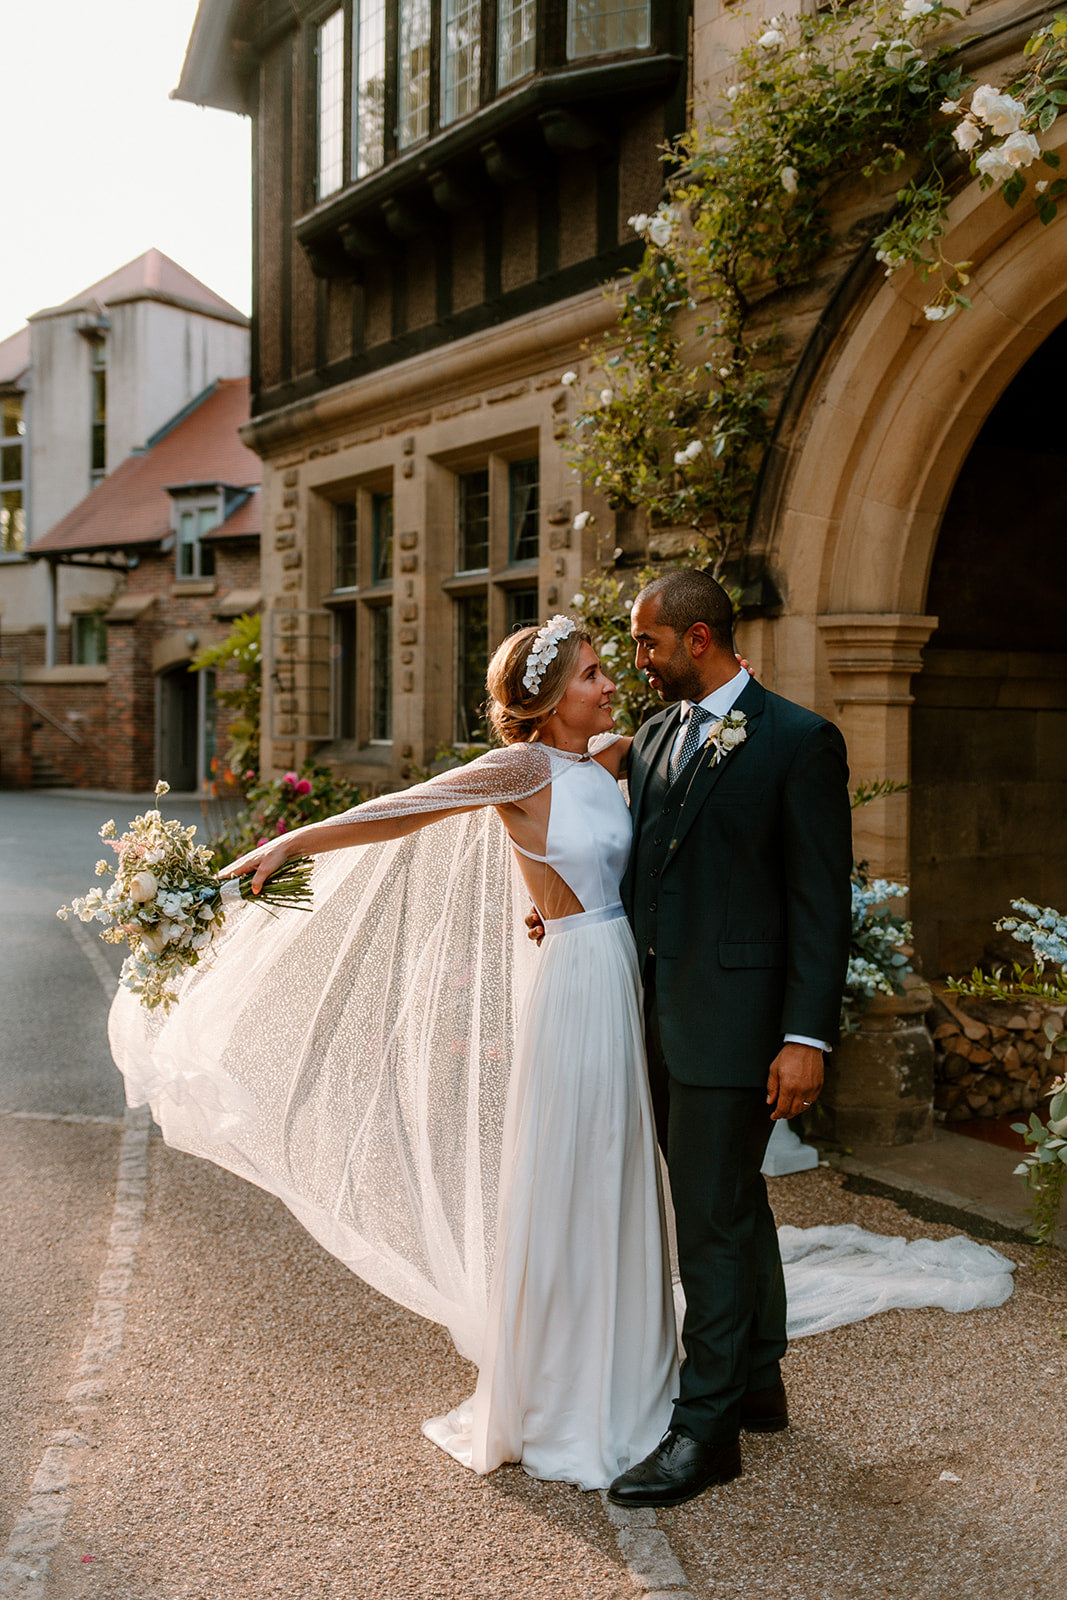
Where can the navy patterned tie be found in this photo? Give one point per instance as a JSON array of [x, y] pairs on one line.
[[697, 717]]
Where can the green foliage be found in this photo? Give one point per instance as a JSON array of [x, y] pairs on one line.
[[677, 413], [277, 807], [241, 649]]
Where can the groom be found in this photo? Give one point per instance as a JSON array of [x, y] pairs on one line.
[[738, 891]]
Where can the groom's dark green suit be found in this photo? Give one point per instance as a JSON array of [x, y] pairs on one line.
[[738, 892]]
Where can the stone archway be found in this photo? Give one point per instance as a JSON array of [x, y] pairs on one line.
[[874, 450]]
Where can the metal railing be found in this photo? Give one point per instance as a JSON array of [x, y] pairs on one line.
[[38, 710]]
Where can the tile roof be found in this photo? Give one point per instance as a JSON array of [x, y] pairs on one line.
[[153, 276], [14, 355], [132, 505]]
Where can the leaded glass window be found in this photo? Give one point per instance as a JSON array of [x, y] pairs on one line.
[[345, 546], [516, 40], [460, 57], [472, 660], [381, 684], [523, 608], [473, 521], [330, 49], [368, 119], [598, 27], [382, 552], [89, 640], [414, 118], [523, 510]]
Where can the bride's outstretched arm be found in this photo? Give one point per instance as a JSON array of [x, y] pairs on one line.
[[500, 777]]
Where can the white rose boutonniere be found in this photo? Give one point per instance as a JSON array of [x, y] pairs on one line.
[[725, 735]]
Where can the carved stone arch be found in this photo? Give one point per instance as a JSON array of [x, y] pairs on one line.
[[862, 469]]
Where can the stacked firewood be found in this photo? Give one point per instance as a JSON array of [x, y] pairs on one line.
[[990, 1058]]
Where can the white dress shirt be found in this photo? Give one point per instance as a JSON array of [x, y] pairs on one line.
[[717, 704]]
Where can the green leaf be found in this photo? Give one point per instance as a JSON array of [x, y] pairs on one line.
[[1051, 159], [1048, 212]]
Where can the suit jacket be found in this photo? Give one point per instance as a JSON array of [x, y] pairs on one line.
[[739, 881]]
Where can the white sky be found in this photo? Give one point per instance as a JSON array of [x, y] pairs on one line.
[[100, 166]]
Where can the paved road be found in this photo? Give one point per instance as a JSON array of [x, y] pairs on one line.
[[57, 1177]]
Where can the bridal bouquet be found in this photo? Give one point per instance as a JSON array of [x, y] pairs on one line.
[[167, 904]]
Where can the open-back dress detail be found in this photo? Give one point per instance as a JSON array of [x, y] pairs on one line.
[[461, 1119]]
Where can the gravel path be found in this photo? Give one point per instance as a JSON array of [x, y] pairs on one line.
[[850, 1503], [261, 1439]]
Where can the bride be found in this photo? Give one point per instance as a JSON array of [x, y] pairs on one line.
[[463, 1121]]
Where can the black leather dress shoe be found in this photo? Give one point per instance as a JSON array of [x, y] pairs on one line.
[[678, 1469], [765, 1410]]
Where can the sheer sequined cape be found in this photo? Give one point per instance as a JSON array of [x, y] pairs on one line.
[[354, 1061]]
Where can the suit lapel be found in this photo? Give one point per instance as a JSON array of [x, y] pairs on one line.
[[694, 788], [659, 739]]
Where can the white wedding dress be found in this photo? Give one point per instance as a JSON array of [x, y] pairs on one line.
[[465, 1121]]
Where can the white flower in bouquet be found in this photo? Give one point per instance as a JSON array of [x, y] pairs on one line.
[[169, 916]]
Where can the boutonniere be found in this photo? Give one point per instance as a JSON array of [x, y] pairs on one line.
[[725, 735]]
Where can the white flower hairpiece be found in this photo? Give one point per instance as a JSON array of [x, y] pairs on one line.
[[545, 649]]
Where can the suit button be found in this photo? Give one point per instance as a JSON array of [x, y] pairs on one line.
[[652, 907], [658, 839], [654, 872]]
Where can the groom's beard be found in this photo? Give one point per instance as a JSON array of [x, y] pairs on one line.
[[679, 680]]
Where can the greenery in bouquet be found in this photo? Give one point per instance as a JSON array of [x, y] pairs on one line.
[[166, 903], [1044, 1169], [280, 805]]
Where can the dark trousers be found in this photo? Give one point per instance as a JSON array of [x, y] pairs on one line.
[[731, 1270]]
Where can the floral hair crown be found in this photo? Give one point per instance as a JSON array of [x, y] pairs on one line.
[[544, 650]]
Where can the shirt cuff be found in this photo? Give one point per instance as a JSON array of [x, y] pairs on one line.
[[800, 1038]]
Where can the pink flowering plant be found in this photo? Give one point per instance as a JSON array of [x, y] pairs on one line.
[[281, 804], [166, 903]]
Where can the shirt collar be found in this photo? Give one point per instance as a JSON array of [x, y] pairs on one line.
[[720, 700]]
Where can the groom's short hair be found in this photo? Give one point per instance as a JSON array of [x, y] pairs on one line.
[[686, 596]]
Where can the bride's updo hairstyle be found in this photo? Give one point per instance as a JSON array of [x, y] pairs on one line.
[[516, 713]]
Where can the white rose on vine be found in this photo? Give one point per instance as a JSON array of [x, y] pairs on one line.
[[911, 10], [900, 54], [733, 91], [999, 111], [993, 164], [968, 134], [639, 222], [772, 39], [569, 379], [581, 521], [660, 229], [1020, 149], [940, 313], [789, 176]]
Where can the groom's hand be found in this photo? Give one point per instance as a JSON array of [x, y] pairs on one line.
[[794, 1081]]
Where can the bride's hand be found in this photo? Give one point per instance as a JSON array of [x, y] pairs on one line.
[[263, 861]]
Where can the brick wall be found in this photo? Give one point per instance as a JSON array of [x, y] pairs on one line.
[[114, 714]]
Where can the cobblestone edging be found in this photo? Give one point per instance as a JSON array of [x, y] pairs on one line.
[[654, 1569], [39, 1525]]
